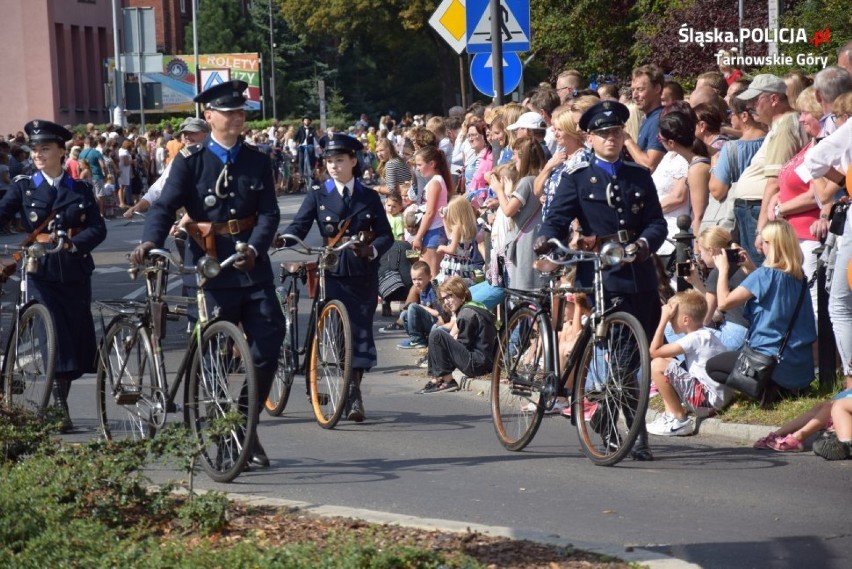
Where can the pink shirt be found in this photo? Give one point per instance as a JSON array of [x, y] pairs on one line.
[[486, 162], [791, 185]]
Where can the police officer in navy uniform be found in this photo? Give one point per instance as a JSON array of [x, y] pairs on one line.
[[608, 195], [229, 183], [51, 200], [343, 200]]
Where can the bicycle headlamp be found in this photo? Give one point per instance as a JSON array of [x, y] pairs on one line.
[[208, 267], [36, 250], [612, 254]]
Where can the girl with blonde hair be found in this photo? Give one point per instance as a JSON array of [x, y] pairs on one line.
[[770, 295], [460, 226]]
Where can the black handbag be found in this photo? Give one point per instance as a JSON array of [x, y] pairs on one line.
[[753, 370]]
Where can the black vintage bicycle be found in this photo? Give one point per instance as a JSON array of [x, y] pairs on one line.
[[134, 395], [607, 373], [325, 357], [30, 355]]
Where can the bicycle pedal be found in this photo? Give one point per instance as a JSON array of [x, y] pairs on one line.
[[171, 407]]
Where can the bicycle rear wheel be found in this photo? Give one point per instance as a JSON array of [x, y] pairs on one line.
[[611, 390], [221, 400], [519, 379], [282, 383], [330, 366], [130, 404], [30, 361]]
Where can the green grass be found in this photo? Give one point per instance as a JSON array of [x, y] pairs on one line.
[[748, 411]]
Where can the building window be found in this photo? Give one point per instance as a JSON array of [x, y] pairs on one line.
[[87, 1], [183, 6]]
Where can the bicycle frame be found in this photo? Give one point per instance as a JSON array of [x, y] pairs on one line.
[[157, 301]]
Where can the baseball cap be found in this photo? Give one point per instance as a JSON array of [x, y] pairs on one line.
[[192, 124], [530, 120], [764, 83]]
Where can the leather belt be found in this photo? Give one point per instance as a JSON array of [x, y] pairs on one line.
[[234, 226], [747, 203], [45, 237]]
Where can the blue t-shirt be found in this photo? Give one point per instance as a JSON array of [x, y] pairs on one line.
[[776, 294], [746, 149], [93, 157], [647, 139], [428, 297]]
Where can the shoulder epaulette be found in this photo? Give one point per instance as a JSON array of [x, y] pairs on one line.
[[635, 165], [191, 149], [20, 177], [577, 167]]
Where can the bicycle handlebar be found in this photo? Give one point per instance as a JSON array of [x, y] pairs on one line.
[[307, 250]]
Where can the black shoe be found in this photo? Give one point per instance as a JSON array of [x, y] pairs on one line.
[[641, 451], [258, 455], [386, 310], [356, 411]]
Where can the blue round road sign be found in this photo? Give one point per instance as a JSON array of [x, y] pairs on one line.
[[481, 72]]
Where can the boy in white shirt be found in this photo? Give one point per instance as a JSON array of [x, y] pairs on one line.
[[690, 387]]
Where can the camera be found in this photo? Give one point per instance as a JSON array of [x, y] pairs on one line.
[[733, 256], [684, 269]]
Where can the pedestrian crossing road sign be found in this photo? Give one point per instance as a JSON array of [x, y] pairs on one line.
[[514, 25]]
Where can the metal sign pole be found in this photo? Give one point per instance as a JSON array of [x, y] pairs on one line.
[[195, 51], [497, 51], [139, 74]]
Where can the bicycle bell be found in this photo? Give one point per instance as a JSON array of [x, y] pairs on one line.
[[34, 252]]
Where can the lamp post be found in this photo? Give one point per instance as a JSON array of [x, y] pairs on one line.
[[195, 51], [272, 64], [118, 109]]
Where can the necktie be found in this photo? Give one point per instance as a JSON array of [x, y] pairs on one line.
[[346, 198]]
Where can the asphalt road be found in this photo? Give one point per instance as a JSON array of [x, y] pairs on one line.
[[708, 500]]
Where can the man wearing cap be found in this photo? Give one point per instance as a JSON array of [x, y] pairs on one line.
[[229, 183], [341, 208], [48, 201], [613, 200], [767, 99], [532, 124], [192, 131]]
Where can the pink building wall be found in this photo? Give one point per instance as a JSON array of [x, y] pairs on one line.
[[52, 65]]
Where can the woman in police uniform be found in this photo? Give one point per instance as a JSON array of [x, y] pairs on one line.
[[354, 281], [63, 281]]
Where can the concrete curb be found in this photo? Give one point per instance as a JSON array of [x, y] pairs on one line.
[[628, 553], [479, 387]]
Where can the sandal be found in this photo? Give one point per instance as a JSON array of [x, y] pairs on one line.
[[787, 444], [763, 443]]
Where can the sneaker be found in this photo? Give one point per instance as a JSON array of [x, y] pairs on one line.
[[390, 328], [788, 443], [423, 362], [445, 387], [559, 408], [429, 387], [763, 443], [589, 408], [667, 426], [831, 449], [411, 344]]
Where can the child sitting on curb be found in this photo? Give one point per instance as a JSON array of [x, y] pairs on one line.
[[691, 386], [419, 317], [469, 345]]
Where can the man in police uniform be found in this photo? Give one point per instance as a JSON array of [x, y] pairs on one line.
[[48, 201], [229, 183], [342, 206], [608, 195]]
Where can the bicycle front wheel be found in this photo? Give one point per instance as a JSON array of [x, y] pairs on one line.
[[130, 404], [30, 361], [330, 364], [519, 380], [279, 393], [611, 389], [221, 400]]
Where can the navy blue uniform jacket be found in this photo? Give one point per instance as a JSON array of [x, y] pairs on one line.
[[633, 205], [250, 191]]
